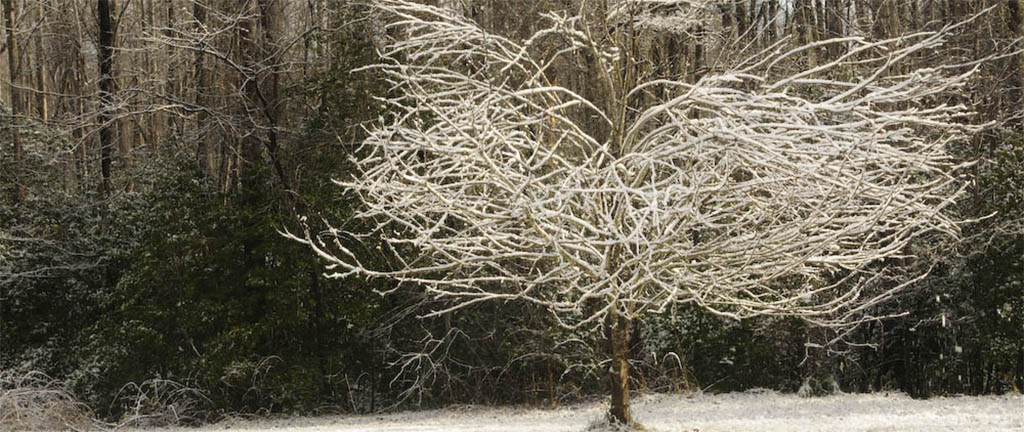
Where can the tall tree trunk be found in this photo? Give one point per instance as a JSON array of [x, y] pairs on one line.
[[204, 154], [107, 86], [81, 82], [15, 99], [150, 127], [271, 19], [697, 63], [262, 95], [76, 82], [834, 14], [249, 48], [1015, 20], [172, 76], [803, 26], [126, 126], [891, 20], [617, 333], [742, 23], [41, 60]]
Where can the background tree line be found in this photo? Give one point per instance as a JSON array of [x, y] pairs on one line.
[[153, 149]]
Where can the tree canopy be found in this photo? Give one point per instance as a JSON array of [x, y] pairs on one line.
[[743, 192]]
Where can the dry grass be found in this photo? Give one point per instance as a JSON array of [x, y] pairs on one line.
[[34, 401], [162, 403]]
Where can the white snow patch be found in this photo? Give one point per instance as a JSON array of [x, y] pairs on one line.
[[762, 412], [732, 412]]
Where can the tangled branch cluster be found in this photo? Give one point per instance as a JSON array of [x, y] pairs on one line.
[[752, 192]]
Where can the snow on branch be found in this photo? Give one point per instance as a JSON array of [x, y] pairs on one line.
[[663, 16], [753, 192]]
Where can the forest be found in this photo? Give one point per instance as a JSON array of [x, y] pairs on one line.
[[212, 208]]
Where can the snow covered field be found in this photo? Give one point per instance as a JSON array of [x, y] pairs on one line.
[[752, 411]]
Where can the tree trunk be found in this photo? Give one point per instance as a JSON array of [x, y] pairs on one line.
[[891, 20], [803, 26], [15, 101], [262, 95], [741, 18], [204, 154], [249, 48], [107, 85], [77, 83], [1015, 20], [697, 64], [271, 19], [41, 60], [617, 331], [833, 13], [173, 76], [771, 22], [150, 127]]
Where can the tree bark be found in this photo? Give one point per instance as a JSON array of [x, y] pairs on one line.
[[149, 130], [770, 21], [697, 64], [41, 60], [1015, 20], [803, 26], [15, 99], [741, 18], [107, 86], [204, 154], [834, 13], [80, 82], [271, 19], [249, 48], [617, 332], [262, 95], [173, 76]]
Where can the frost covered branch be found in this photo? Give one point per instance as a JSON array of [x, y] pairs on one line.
[[758, 191], [746, 193]]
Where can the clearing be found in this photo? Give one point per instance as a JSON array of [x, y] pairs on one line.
[[759, 411]]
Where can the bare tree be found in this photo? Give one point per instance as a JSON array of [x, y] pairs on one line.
[[107, 87], [749, 193], [42, 102], [1015, 22], [15, 97]]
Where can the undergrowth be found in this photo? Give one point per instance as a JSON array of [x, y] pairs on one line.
[[33, 401]]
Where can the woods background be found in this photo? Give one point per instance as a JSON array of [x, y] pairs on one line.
[[152, 150]]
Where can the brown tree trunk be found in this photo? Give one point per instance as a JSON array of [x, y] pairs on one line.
[[249, 48], [149, 130], [697, 64], [803, 25], [271, 19], [81, 79], [204, 154], [172, 76], [107, 86], [41, 98], [834, 14], [617, 332], [261, 93], [15, 99], [771, 22], [1015, 20], [742, 25]]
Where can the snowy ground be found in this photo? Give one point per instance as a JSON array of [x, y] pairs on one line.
[[752, 411]]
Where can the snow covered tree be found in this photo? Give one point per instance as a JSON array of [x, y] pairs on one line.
[[761, 189]]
